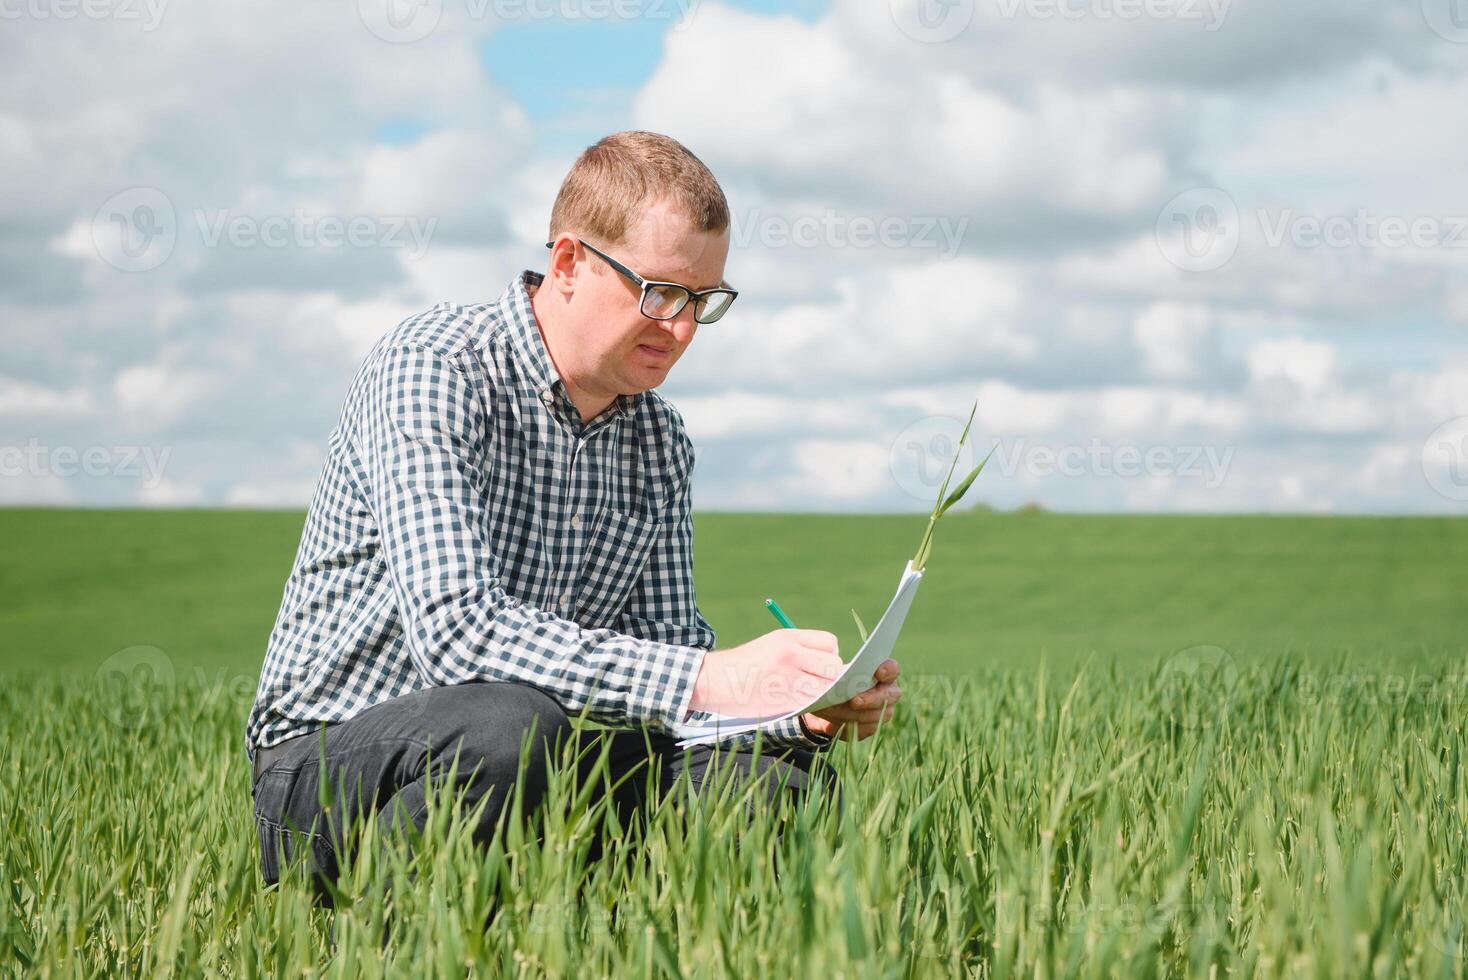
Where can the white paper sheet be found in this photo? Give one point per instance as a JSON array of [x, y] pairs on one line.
[[858, 675]]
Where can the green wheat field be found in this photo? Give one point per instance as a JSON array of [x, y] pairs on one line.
[[1130, 746]]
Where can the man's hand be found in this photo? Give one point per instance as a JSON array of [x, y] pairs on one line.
[[776, 673], [858, 718]]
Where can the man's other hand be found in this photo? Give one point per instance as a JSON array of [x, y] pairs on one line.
[[858, 718]]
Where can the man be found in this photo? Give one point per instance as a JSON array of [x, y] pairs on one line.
[[502, 537]]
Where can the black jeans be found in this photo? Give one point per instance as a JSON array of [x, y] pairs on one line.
[[385, 758]]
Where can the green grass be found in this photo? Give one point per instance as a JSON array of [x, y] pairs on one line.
[[1132, 746]]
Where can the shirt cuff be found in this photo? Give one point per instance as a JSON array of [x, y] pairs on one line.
[[791, 733], [816, 739], [670, 671]]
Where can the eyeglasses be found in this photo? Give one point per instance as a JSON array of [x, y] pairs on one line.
[[665, 300]]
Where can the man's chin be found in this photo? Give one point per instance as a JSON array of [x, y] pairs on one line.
[[644, 376]]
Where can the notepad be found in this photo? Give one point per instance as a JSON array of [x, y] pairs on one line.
[[857, 676]]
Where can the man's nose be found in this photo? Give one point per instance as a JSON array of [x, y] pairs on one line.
[[682, 326]]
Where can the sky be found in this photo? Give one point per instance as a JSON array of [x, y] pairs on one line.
[[1177, 255]]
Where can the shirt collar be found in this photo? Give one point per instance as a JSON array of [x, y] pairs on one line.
[[528, 343]]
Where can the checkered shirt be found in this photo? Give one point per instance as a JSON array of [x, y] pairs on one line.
[[468, 526]]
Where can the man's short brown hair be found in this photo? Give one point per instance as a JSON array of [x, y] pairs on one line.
[[615, 179]]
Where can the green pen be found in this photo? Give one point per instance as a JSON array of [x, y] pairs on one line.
[[778, 613]]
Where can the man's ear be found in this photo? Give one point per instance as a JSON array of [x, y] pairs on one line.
[[561, 270]]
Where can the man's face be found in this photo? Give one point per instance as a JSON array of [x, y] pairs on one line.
[[613, 342]]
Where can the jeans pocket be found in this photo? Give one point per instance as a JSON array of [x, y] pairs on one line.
[[271, 792], [270, 845], [281, 844], [283, 847]]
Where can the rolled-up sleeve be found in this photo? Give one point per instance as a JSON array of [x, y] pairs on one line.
[[419, 434]]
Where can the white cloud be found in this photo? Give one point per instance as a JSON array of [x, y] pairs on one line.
[[836, 470], [1175, 339], [270, 493], [1306, 365], [894, 325], [1006, 410], [44, 489], [745, 413], [1212, 45], [23, 399], [1437, 395], [157, 395], [324, 322], [469, 274], [1387, 469], [1365, 142], [172, 493], [444, 169], [1297, 384], [944, 143]]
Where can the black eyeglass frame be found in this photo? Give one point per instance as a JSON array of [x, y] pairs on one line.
[[689, 295]]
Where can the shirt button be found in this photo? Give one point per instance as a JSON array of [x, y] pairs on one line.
[[566, 602], [575, 520], [546, 396]]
